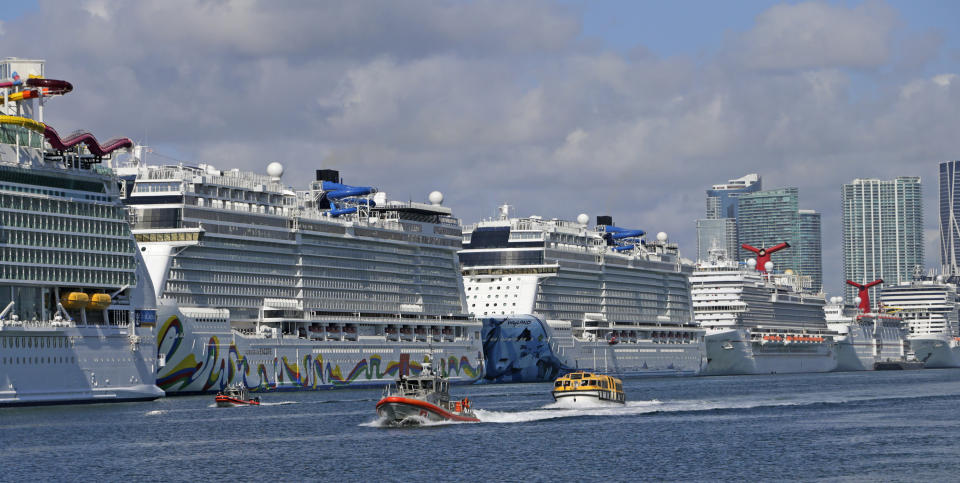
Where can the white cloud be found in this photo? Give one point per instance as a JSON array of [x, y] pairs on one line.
[[817, 35]]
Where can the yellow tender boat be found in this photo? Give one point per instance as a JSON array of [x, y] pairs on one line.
[[588, 389]]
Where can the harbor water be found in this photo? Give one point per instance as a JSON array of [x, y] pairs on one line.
[[890, 426]]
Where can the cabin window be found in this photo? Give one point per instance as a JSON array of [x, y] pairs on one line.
[[558, 384]]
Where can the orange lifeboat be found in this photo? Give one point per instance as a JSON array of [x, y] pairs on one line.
[[99, 301], [75, 300]]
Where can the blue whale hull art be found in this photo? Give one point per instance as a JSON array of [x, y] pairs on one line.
[[517, 349]]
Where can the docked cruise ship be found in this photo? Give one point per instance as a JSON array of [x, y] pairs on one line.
[[928, 307], [77, 307], [865, 338], [331, 285], [557, 296], [759, 322]]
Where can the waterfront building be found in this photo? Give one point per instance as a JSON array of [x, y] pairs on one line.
[[767, 218], [716, 233], [719, 228], [882, 231], [949, 227], [810, 247]]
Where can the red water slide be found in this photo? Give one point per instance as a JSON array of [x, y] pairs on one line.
[[84, 137]]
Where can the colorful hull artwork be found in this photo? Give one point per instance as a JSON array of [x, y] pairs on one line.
[[211, 360]]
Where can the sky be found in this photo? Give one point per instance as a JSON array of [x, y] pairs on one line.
[[624, 108]]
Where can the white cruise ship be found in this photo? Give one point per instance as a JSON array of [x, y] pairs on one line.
[[759, 322], [76, 304], [557, 296], [282, 289], [865, 338], [929, 309]]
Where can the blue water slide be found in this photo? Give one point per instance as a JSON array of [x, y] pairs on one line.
[[359, 201], [627, 234], [623, 248], [342, 211], [336, 190]]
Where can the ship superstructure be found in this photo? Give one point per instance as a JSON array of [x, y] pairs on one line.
[[77, 306], [276, 288], [557, 296], [758, 321], [928, 306]]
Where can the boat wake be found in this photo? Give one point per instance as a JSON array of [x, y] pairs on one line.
[[277, 403], [156, 412]]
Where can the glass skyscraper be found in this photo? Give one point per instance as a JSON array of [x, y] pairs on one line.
[[810, 248], [882, 231], [722, 198], [769, 217], [718, 233], [719, 228], [949, 207]]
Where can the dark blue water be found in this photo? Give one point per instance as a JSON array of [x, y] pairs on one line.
[[898, 425]]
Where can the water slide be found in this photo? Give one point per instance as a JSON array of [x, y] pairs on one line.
[[55, 87], [49, 87]]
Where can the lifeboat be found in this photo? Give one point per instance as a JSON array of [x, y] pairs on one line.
[[588, 389], [98, 301], [75, 300]]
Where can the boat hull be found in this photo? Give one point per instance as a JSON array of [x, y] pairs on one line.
[[525, 349], [584, 399], [401, 410], [862, 347], [44, 365], [229, 402], [732, 352], [206, 358], [936, 350]]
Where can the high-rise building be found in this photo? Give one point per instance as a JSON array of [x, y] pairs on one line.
[[722, 198], [717, 233], [882, 231], [810, 248], [949, 215], [722, 205]]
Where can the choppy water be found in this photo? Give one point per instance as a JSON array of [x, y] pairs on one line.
[[847, 426]]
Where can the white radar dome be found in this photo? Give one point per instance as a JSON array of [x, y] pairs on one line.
[[857, 300], [751, 262], [275, 170], [939, 278], [583, 218], [436, 197], [662, 236], [768, 266]]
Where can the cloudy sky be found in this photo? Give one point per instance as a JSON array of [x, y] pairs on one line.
[[625, 108]]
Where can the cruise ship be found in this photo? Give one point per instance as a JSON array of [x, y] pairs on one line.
[[865, 337], [760, 322], [928, 306], [557, 296], [77, 307], [276, 288]]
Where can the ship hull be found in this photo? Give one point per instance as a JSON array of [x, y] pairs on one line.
[[401, 410], [936, 350], [200, 358], [524, 349], [75, 365], [862, 347], [732, 352]]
